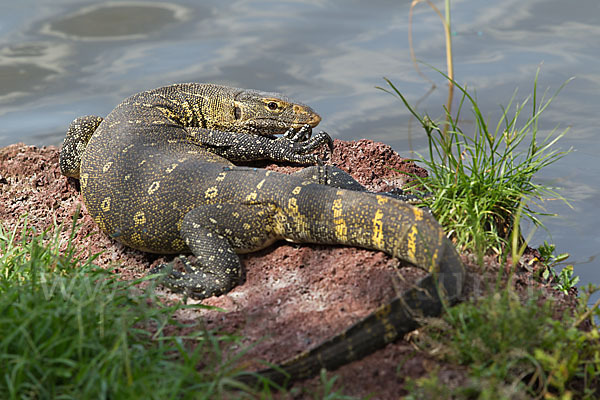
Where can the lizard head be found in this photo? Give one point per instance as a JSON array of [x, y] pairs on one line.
[[264, 113]]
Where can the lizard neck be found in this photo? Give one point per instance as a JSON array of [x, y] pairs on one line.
[[207, 106]]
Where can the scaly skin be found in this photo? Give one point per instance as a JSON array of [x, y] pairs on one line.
[[157, 175]]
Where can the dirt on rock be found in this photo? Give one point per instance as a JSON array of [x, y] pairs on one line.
[[293, 296]]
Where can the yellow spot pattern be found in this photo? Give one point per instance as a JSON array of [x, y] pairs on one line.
[[153, 187], [293, 205], [106, 166], [211, 192], [341, 229], [126, 149], [412, 243], [252, 196], [382, 315], [139, 218], [136, 239], [83, 180], [296, 190], [418, 213], [382, 199], [337, 208], [291, 218], [167, 113], [221, 176], [178, 244], [105, 205], [434, 260], [377, 237], [383, 311], [98, 219], [436, 253], [171, 168]]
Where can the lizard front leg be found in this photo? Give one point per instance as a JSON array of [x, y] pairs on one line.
[[214, 234], [291, 147]]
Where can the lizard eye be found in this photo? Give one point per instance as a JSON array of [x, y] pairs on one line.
[[272, 106], [237, 112]]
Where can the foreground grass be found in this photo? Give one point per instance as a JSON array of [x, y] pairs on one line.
[[69, 329], [514, 349]]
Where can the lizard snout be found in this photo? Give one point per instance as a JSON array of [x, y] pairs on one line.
[[314, 121], [305, 115]]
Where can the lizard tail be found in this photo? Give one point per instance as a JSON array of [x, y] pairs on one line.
[[78, 135], [418, 239]]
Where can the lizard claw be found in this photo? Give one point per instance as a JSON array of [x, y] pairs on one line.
[[329, 141], [305, 132], [324, 138], [168, 269], [295, 146], [289, 133], [165, 269], [299, 135]]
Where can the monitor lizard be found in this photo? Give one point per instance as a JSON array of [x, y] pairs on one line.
[[158, 175]]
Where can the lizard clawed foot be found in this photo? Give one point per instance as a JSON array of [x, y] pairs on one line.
[[299, 135], [194, 282], [323, 138], [168, 270], [329, 142], [295, 150]]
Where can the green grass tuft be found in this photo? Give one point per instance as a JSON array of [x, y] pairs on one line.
[[480, 179]]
